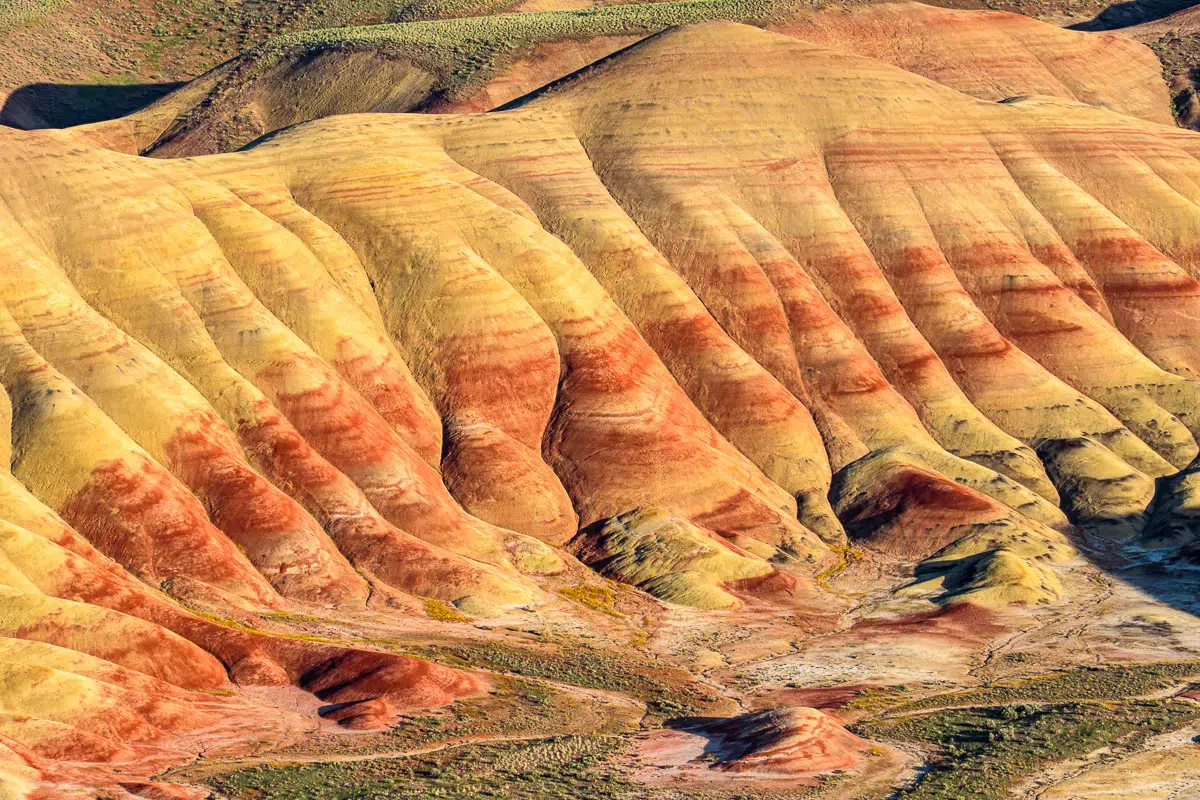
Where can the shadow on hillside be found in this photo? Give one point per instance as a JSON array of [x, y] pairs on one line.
[[1133, 12], [1173, 583], [61, 105], [1169, 575], [726, 738]]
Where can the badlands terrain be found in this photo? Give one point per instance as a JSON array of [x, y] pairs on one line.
[[759, 400]]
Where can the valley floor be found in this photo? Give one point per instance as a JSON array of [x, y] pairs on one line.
[[1092, 698]]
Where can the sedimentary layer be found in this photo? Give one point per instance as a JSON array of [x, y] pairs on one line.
[[701, 316]]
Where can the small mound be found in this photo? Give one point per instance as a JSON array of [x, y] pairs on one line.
[[1098, 489], [783, 742], [893, 501], [360, 715], [668, 557], [368, 690], [991, 579]]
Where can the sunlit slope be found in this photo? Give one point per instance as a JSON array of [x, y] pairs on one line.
[[97, 667], [388, 341], [478, 64], [995, 55], [698, 317]]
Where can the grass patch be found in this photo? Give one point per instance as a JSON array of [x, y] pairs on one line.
[[666, 690], [597, 598], [876, 699], [848, 556], [167, 39], [223, 620], [557, 768], [465, 52], [289, 617], [417, 10], [518, 707], [226, 621], [985, 752], [1082, 683], [14, 13], [443, 612]]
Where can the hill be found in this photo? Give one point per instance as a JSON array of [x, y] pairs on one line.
[[728, 368], [66, 62], [477, 64], [69, 62]]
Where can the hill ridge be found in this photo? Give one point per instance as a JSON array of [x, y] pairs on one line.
[[712, 320]]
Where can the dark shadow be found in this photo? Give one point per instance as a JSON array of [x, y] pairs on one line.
[[696, 725], [715, 732], [1169, 574], [1156, 551], [62, 105], [1172, 582], [731, 738], [329, 708], [1132, 12]]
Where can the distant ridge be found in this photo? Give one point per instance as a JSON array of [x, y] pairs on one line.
[[483, 63]]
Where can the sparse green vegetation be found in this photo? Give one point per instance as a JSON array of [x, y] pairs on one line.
[[291, 617], [552, 768], [579, 667], [1081, 683], [876, 699], [465, 52], [278, 617], [443, 612], [518, 707], [597, 598], [984, 752], [566, 767], [19, 12], [990, 737], [666, 690], [1179, 56], [156, 40], [416, 10]]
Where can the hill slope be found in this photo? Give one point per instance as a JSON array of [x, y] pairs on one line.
[[478, 64], [704, 317], [73, 60], [1175, 39]]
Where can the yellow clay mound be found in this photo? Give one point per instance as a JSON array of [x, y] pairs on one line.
[[993, 579], [670, 558]]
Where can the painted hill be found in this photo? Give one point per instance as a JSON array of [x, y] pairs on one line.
[[707, 318], [64, 61], [477, 64]]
